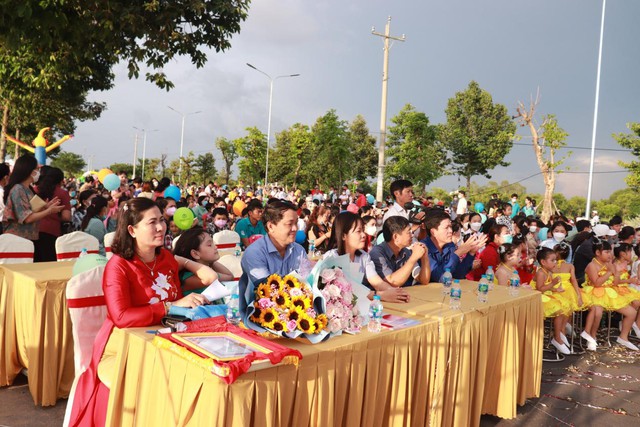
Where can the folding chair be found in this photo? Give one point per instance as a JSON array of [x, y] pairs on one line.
[[69, 246]]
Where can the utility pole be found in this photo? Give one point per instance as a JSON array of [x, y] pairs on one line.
[[383, 109], [135, 155]]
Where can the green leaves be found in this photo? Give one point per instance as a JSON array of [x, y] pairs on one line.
[[70, 163], [632, 142]]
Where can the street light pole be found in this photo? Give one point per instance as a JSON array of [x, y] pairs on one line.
[[182, 137], [135, 155], [271, 80], [144, 146]]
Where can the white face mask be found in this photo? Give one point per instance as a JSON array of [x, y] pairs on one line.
[[171, 210], [559, 237], [475, 226], [370, 230], [465, 225], [533, 228], [36, 177]]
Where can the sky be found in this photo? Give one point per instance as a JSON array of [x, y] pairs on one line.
[[511, 48]]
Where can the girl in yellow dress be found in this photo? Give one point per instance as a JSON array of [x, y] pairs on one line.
[[623, 253], [509, 258], [554, 305], [567, 274], [602, 290]]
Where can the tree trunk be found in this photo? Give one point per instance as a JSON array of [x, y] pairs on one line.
[[468, 183], [3, 133]]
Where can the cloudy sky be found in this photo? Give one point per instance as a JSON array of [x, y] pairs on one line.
[[511, 48]]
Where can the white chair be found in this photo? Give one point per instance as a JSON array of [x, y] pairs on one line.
[[15, 249], [108, 240], [69, 246], [174, 243], [232, 262], [87, 309], [226, 241]]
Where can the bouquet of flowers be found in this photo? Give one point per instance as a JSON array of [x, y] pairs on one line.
[[345, 298], [287, 306]]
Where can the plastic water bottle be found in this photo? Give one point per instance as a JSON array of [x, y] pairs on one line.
[[455, 295], [375, 315], [83, 252], [490, 275], [514, 284], [483, 289], [447, 278], [312, 249], [233, 313], [238, 251]]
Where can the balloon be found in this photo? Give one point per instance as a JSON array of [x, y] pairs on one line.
[[232, 195], [301, 236], [249, 194], [111, 182], [542, 234], [479, 207], [103, 174], [370, 199], [238, 207], [173, 192], [483, 218], [183, 218], [88, 262]]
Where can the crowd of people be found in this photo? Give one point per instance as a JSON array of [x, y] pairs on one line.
[[397, 243]]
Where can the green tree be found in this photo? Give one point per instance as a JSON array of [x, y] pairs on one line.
[[71, 163], [292, 155], [632, 142], [124, 167], [204, 168], [252, 150], [478, 133], [151, 167], [332, 154], [365, 155], [229, 155], [413, 149]]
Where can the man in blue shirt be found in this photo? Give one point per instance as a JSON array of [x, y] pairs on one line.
[[442, 251], [397, 261], [252, 224], [276, 253]]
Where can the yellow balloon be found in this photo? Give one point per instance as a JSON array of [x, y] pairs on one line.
[[232, 195], [249, 194], [103, 173], [238, 207]]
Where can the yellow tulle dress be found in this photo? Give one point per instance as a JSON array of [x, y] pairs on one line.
[[569, 296], [608, 296], [552, 304]]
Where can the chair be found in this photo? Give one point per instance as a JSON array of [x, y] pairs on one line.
[[108, 240], [174, 242], [69, 246], [88, 311], [15, 249], [232, 262], [226, 241]]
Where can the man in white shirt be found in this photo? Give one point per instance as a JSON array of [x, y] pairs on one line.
[[402, 192], [462, 203]]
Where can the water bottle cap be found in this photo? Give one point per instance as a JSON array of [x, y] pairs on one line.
[[447, 270], [84, 249], [234, 296], [456, 281], [490, 267], [484, 276], [376, 297]]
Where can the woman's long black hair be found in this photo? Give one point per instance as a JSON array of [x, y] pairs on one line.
[[22, 169]]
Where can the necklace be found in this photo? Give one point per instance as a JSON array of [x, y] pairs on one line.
[[155, 259]]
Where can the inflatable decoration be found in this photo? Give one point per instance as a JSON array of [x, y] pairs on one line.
[[88, 262], [103, 174], [173, 192], [479, 207], [183, 218], [40, 145], [301, 236], [111, 182], [370, 199]]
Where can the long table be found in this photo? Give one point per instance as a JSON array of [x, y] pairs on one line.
[[35, 328], [448, 370]]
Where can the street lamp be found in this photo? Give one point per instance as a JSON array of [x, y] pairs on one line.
[[271, 80], [144, 145], [182, 136]]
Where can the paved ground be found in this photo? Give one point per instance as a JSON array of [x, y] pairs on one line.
[[601, 388]]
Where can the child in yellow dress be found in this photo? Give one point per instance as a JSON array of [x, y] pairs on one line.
[[567, 274], [623, 253], [552, 302], [509, 258], [602, 290]]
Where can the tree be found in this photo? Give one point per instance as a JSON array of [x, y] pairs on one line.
[[150, 169], [229, 155], [631, 141], [547, 139], [69, 162], [332, 154], [413, 151], [365, 155], [478, 133], [204, 168], [124, 167], [292, 155], [253, 152]]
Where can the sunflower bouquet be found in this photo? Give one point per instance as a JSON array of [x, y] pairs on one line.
[[285, 306]]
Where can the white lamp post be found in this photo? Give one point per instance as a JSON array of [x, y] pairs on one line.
[[271, 80], [184, 115], [144, 146]]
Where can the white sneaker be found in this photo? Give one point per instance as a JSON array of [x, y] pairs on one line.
[[591, 346], [627, 344], [636, 329], [564, 339], [561, 347], [587, 337]]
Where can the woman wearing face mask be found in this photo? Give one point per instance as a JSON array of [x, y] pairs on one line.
[[559, 232], [19, 219], [464, 224], [50, 227], [498, 235], [475, 223], [370, 231], [93, 221]]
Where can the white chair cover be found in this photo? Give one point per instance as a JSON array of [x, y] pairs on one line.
[[88, 311], [226, 241], [15, 249], [108, 240], [69, 246], [174, 243], [232, 262]]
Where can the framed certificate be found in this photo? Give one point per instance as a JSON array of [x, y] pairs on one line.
[[220, 346]]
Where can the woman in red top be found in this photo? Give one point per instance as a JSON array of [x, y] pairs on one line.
[[498, 234], [140, 284]]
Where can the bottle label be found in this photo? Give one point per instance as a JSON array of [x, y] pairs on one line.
[[456, 293], [515, 283], [483, 287]]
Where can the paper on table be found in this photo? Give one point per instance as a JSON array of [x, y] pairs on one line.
[[215, 291]]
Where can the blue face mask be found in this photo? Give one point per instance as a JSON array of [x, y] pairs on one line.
[[507, 238], [74, 202], [72, 194]]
